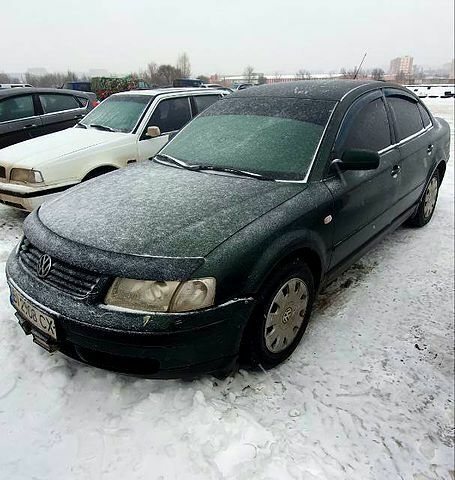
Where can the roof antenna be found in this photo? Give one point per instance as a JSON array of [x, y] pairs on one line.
[[361, 63]]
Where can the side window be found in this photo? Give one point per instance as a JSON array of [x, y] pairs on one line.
[[370, 128], [171, 114], [425, 115], [83, 101], [407, 116], [204, 101], [16, 108], [57, 102]]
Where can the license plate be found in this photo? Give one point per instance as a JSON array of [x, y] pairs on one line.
[[34, 315]]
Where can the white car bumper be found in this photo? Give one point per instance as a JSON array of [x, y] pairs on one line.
[[25, 197]]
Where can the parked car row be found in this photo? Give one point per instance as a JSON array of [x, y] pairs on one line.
[[113, 135], [214, 250], [27, 113], [433, 91]]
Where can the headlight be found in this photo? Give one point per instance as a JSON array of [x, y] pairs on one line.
[[26, 176], [152, 296]]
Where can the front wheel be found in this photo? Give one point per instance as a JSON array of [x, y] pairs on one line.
[[427, 204], [280, 317]]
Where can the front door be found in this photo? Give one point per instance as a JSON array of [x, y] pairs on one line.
[[18, 120], [363, 200], [170, 115]]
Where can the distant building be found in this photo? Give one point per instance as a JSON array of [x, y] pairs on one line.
[[235, 79], [401, 66]]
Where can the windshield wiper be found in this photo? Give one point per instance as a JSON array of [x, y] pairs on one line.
[[102, 127], [175, 161], [234, 171], [81, 125], [214, 168]]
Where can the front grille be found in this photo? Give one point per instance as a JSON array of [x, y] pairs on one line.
[[2, 172], [67, 278]]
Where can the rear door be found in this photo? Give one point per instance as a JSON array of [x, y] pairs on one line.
[[170, 115], [18, 119], [414, 144], [363, 200], [60, 111]]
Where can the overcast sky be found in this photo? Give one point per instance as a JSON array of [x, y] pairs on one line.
[[272, 35]]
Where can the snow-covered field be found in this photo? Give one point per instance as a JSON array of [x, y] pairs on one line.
[[367, 395]]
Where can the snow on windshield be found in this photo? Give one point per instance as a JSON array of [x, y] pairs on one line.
[[118, 112], [276, 137]]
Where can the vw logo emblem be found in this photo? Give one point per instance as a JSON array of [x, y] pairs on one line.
[[44, 266]]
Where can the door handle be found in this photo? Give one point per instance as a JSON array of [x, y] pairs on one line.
[[395, 171], [430, 149], [32, 125]]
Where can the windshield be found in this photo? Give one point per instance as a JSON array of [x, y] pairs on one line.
[[118, 113], [271, 136]]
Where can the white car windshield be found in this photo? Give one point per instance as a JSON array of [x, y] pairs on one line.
[[118, 113]]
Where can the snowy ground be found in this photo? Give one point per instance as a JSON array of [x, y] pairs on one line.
[[367, 395]]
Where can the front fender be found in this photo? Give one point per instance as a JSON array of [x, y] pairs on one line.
[[243, 261]]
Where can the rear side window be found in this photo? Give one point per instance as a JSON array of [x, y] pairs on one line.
[[370, 128], [425, 115], [171, 114], [83, 101], [15, 108], [57, 103], [204, 101], [407, 116]]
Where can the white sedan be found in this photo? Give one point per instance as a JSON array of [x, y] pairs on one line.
[[125, 128]]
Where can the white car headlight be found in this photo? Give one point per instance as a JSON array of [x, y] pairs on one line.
[[154, 296], [25, 175]]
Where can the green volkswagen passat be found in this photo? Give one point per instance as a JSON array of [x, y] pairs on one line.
[[216, 248]]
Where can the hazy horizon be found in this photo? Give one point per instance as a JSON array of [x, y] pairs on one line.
[[320, 37]]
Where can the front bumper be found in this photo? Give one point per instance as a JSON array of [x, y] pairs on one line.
[[155, 345], [25, 197]]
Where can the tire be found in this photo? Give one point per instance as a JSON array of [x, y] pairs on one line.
[[427, 204], [269, 320]]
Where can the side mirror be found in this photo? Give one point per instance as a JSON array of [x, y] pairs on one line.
[[153, 132], [356, 159]]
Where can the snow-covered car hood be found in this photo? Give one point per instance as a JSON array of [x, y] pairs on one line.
[[37, 151], [157, 210]]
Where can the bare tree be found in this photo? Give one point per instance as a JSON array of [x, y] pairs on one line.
[[377, 74], [303, 74], [53, 79], [167, 74], [349, 73], [5, 78], [184, 65], [262, 80], [204, 78], [151, 74], [248, 74]]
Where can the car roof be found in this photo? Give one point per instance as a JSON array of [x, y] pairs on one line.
[[11, 92], [166, 90], [329, 89]]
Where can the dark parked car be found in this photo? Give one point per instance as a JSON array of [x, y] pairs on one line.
[[30, 112], [79, 86], [218, 247]]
